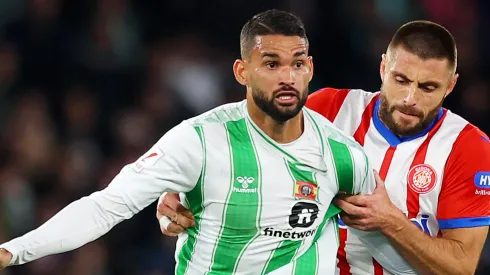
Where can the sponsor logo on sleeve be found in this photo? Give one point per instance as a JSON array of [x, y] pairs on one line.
[[147, 161], [482, 182]]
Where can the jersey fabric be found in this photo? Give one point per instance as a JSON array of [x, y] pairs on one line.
[[440, 178], [260, 207]]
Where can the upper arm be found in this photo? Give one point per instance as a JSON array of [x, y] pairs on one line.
[[173, 164], [464, 200]]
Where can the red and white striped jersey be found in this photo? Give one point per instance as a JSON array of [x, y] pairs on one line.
[[439, 178]]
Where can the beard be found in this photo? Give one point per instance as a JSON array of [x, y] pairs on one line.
[[398, 128], [279, 113]]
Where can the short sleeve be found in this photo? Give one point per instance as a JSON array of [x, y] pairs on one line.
[[464, 200], [173, 164]]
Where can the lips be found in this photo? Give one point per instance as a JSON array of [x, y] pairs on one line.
[[286, 94]]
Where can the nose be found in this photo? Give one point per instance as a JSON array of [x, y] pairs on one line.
[[287, 76], [409, 99]]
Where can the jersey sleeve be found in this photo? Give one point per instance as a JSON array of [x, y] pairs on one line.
[[364, 182], [327, 101], [173, 164], [464, 200]]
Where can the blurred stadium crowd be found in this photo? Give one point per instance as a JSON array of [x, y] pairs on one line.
[[88, 86]]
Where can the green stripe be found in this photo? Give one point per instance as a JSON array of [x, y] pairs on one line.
[[286, 252], [241, 210], [195, 201], [344, 169], [308, 262], [259, 210], [344, 165]]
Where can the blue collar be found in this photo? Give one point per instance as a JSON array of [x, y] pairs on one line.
[[391, 138]]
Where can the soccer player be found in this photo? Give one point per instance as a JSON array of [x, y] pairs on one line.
[[436, 165], [259, 174]]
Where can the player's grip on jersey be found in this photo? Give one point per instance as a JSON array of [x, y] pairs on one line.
[[172, 216]]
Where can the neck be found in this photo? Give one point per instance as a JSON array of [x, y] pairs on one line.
[[281, 132]]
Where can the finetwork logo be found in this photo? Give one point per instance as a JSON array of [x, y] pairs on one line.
[[243, 184], [303, 215], [288, 234]]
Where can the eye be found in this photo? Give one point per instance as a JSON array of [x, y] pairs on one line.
[[271, 65], [299, 64], [428, 88], [401, 80]]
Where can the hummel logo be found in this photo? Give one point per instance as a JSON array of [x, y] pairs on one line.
[[245, 183]]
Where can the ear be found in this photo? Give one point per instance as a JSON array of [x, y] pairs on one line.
[[312, 68], [382, 67], [240, 72], [452, 84]]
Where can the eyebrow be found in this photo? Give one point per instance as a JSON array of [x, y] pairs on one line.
[[425, 84], [275, 55]]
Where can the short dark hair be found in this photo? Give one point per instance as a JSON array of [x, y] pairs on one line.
[[267, 23], [427, 40]]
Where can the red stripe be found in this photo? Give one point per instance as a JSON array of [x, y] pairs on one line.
[[385, 165], [413, 204], [378, 269], [383, 171], [365, 121], [327, 101], [343, 265]]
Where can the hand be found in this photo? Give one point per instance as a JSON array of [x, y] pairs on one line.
[[172, 216], [370, 212], [5, 258]]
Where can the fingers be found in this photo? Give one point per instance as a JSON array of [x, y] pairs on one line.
[[171, 200], [356, 222], [357, 200], [169, 205], [379, 181], [350, 208], [188, 216], [168, 227]]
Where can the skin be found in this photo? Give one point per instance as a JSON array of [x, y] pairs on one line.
[[413, 90], [277, 64]]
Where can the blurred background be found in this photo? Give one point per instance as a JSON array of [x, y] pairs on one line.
[[88, 86]]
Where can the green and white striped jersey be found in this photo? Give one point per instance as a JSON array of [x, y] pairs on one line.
[[260, 207]]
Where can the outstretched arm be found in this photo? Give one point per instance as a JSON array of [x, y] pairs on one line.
[[173, 164]]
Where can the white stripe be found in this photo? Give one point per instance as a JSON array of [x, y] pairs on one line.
[[350, 114], [438, 152]]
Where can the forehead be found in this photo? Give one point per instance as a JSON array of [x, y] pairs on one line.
[[412, 65], [279, 44]]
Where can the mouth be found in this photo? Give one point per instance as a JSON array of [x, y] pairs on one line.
[[407, 114], [286, 98]]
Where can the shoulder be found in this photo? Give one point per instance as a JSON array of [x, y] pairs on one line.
[[330, 101], [219, 115]]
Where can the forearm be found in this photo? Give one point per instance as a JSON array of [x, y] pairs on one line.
[[80, 222], [428, 255]]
